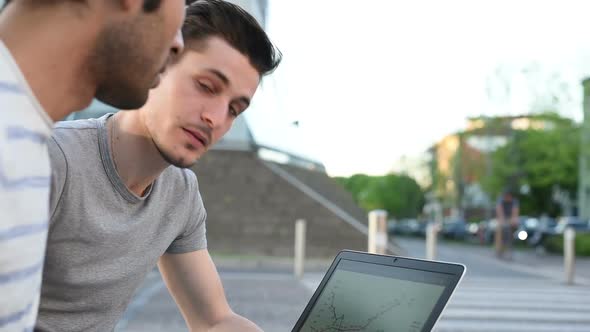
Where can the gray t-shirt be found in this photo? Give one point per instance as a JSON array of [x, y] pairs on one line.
[[103, 239]]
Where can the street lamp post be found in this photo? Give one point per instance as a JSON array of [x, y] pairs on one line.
[[584, 170]]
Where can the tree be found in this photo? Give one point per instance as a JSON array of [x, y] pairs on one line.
[[399, 195], [541, 160]]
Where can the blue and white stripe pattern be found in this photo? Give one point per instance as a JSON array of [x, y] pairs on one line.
[[24, 197]]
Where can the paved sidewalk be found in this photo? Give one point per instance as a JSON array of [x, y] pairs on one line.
[[273, 300], [523, 295]]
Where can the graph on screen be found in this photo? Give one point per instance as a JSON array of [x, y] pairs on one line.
[[353, 301]]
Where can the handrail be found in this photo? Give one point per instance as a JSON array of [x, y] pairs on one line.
[[392, 247]]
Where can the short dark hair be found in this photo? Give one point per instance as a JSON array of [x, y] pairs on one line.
[[148, 5], [218, 18]]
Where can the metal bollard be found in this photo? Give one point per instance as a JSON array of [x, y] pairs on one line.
[[569, 254], [431, 232], [299, 261], [377, 232]]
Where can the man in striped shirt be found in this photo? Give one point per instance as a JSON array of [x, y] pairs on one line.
[[55, 56]]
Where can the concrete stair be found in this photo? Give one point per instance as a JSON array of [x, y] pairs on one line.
[[252, 210]]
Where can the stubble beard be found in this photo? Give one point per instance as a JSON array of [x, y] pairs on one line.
[[179, 162], [114, 63]]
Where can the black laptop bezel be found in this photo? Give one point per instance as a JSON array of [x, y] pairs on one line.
[[455, 271]]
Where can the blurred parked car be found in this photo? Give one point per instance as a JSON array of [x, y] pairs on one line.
[[392, 227], [574, 222], [527, 227], [549, 227], [410, 227], [488, 230], [546, 226], [454, 229]]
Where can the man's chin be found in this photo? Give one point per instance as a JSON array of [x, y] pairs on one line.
[[130, 100], [180, 162]]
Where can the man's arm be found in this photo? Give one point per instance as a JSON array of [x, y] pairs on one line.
[[194, 283]]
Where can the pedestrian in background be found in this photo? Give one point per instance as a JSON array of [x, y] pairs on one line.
[[507, 210]]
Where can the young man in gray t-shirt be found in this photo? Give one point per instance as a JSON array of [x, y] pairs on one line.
[[122, 198]]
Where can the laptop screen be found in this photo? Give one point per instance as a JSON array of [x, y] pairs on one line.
[[362, 296]]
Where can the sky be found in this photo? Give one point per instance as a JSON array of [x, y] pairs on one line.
[[375, 81]]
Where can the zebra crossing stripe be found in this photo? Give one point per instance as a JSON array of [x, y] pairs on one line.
[[517, 306]]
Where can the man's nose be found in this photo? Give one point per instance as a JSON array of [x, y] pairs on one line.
[[214, 115], [177, 44]]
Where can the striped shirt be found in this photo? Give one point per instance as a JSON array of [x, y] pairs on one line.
[[24, 197]]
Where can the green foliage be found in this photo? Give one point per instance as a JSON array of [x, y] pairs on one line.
[[399, 195], [582, 244], [541, 159]]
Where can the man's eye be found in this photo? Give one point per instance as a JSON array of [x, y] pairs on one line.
[[206, 88], [233, 112]]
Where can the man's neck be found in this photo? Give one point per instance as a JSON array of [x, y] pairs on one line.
[[51, 50], [134, 153]]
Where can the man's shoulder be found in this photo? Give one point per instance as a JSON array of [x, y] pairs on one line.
[[63, 127], [76, 133], [74, 140]]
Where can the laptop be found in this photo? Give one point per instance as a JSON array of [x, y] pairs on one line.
[[367, 292]]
